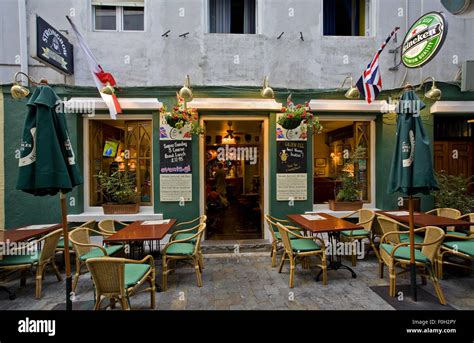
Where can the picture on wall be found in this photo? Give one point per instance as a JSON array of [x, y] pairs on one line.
[[320, 162]]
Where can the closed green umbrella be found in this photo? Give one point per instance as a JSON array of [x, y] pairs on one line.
[[412, 166], [47, 161]]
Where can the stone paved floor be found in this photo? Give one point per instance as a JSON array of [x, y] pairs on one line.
[[247, 282]]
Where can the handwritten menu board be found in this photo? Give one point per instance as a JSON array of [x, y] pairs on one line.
[[175, 157], [175, 170], [292, 170], [291, 157]]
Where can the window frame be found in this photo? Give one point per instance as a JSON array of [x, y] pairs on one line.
[[119, 18], [370, 20], [206, 18]]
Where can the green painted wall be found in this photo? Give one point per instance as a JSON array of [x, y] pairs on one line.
[[22, 209]]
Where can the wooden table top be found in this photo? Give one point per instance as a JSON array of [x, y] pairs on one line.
[[138, 232], [423, 219], [329, 224], [18, 235]]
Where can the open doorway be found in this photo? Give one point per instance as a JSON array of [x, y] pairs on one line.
[[233, 179]]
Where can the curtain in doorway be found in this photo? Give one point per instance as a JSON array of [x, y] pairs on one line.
[[249, 16], [220, 16]]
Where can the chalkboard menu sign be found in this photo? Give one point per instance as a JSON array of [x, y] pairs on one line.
[[175, 157], [291, 157]]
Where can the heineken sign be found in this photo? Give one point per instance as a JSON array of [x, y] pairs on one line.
[[53, 48], [424, 40]]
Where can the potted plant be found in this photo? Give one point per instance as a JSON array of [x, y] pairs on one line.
[[454, 192], [348, 195], [295, 115], [119, 191], [181, 117]]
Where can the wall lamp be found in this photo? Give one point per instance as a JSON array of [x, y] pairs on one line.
[[434, 93], [267, 91], [185, 92], [353, 92], [18, 91]]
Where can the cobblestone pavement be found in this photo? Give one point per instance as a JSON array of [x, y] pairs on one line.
[[247, 282]]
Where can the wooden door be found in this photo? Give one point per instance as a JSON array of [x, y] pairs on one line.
[[454, 157]]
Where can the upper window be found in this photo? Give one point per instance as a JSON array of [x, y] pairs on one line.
[[118, 15], [232, 16], [346, 17]]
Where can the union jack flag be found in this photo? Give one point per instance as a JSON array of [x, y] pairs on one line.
[[370, 83]]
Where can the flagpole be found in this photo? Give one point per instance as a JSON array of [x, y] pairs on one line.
[[67, 261], [411, 220]]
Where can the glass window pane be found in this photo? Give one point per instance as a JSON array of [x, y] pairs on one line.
[[105, 17], [133, 18]]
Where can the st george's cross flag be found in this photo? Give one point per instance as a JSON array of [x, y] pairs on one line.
[[370, 83], [101, 78]]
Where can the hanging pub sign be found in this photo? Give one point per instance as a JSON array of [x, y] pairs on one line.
[[175, 171], [424, 40], [53, 48]]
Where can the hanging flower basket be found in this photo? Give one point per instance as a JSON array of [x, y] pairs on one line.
[[294, 115], [180, 116]]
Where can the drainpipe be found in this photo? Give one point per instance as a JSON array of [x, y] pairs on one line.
[[23, 36]]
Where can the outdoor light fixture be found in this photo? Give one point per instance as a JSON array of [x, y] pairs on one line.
[[108, 89], [353, 92], [470, 121], [18, 91], [267, 91], [185, 92], [434, 93]]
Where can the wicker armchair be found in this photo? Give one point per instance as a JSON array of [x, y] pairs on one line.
[[117, 279], [84, 250], [459, 246], [366, 220], [109, 226], [41, 260], [60, 248], [184, 249], [185, 231], [466, 232], [445, 212], [301, 248], [398, 255], [277, 243]]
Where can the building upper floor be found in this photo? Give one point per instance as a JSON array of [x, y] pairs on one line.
[[298, 44]]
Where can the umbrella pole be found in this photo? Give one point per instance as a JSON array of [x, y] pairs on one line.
[[67, 261], [411, 217]]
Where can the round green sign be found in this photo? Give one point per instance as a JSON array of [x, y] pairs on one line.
[[424, 40]]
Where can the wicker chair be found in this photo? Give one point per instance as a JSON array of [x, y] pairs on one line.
[[185, 231], [301, 248], [466, 232], [84, 250], [109, 226], [366, 220], [277, 243], [445, 212], [398, 255], [184, 249], [117, 279], [27, 261], [459, 246], [60, 248]]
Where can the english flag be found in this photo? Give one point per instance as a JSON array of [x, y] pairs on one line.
[[370, 83], [101, 78]]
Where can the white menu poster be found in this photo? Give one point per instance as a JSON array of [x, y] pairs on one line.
[[292, 187], [176, 187]]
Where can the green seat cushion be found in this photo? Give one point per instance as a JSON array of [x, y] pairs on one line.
[[180, 249], [16, 260], [185, 235], [61, 244], [134, 273], [364, 233], [278, 236], [96, 252], [304, 245], [405, 238], [457, 233], [403, 253], [466, 247]]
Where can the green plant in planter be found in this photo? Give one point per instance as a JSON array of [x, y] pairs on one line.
[[454, 192], [293, 115], [119, 187], [349, 191]]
